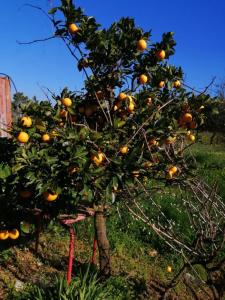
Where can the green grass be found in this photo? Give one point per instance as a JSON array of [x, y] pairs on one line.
[[211, 164]]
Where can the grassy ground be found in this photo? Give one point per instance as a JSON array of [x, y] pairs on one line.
[[136, 270]]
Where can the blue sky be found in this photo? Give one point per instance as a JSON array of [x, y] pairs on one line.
[[198, 25]]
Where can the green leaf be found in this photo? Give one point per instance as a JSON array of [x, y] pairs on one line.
[[5, 171], [26, 227], [52, 11]]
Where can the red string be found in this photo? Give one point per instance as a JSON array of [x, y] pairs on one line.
[[71, 254], [93, 259]]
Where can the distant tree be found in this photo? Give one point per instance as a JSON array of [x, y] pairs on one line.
[[18, 99], [220, 92]]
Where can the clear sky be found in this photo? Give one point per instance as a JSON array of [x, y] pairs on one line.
[[198, 25]]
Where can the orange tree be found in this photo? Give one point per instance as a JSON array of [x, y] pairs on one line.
[[127, 126]]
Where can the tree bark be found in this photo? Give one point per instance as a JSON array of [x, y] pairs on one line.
[[103, 243], [212, 138]]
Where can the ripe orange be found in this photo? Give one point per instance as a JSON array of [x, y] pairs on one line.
[[169, 269], [23, 137], [14, 234], [161, 54], [177, 84], [26, 121], [173, 170], [122, 96], [187, 118], [98, 159], [67, 102], [4, 234], [46, 138], [143, 79], [48, 196], [25, 194], [161, 84], [191, 137], [141, 45], [124, 149], [73, 28]]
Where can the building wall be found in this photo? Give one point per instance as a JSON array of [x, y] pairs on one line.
[[5, 106]]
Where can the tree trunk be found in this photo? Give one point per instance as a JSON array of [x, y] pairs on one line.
[[212, 138], [103, 243]]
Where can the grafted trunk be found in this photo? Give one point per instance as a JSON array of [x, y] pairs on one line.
[[103, 243]]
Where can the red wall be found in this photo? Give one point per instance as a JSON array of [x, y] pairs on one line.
[[5, 105]]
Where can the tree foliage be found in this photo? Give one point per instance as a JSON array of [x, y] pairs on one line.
[[105, 142]]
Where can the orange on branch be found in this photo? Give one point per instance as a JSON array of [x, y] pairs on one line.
[[14, 234], [161, 84], [143, 79], [169, 269], [124, 149], [4, 234], [141, 45], [122, 96], [23, 137], [73, 28], [49, 196], [173, 170], [187, 118], [177, 84], [67, 102], [98, 159], [26, 121], [46, 138], [191, 138], [161, 54]]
